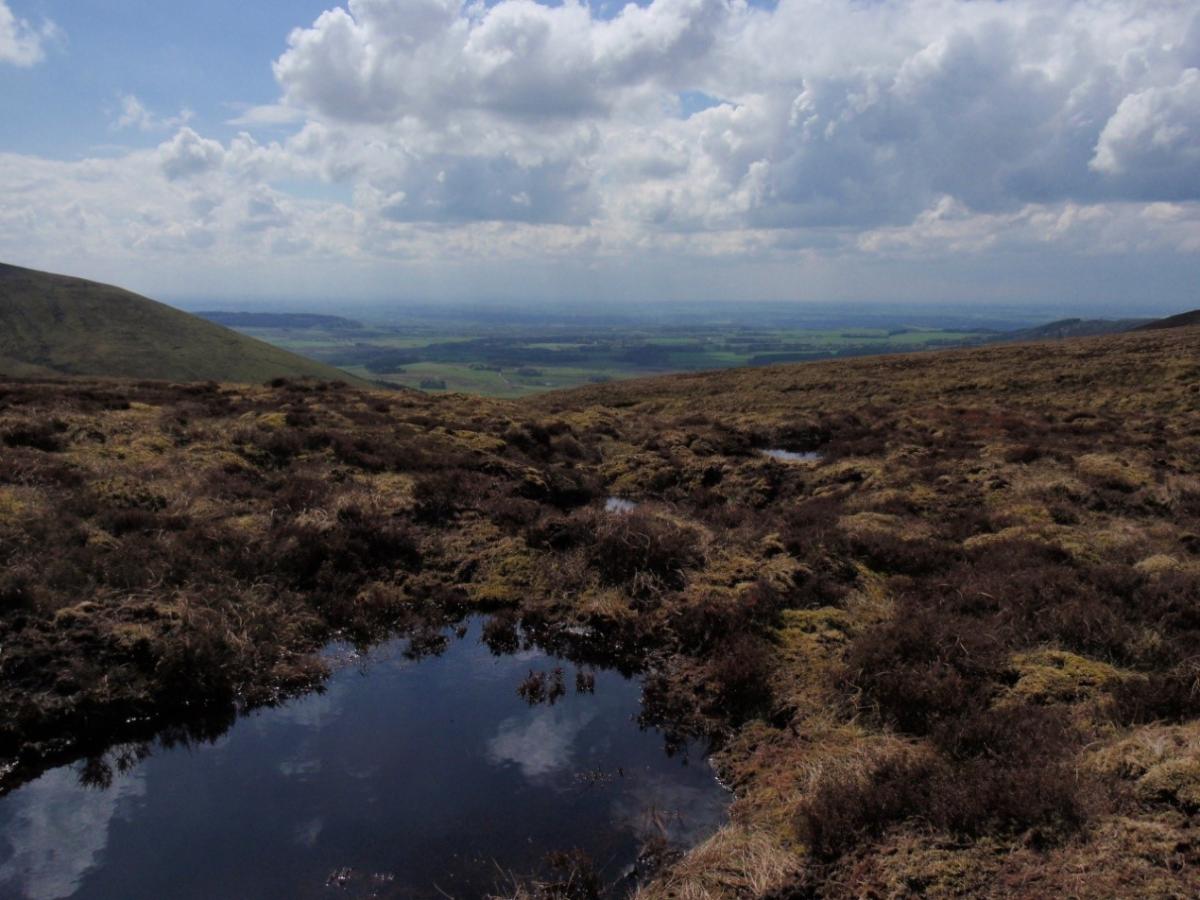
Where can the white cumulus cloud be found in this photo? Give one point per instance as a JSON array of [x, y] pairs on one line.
[[1152, 141], [696, 141], [132, 113], [188, 154], [21, 42]]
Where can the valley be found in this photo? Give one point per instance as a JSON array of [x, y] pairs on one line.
[[493, 358]]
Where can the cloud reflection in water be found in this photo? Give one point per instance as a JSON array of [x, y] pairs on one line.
[[59, 832], [540, 743]]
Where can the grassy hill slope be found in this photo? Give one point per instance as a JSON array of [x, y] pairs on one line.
[[1182, 320], [1073, 328], [55, 324]]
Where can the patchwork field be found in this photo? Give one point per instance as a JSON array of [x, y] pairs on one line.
[[507, 361]]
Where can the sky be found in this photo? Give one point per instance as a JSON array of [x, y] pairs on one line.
[[958, 151]]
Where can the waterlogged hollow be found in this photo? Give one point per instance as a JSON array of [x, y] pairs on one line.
[[404, 778], [619, 505], [793, 455]]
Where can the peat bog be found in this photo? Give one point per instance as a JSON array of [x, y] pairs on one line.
[[953, 656], [419, 770]]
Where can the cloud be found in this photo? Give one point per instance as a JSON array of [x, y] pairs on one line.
[[541, 743], [187, 155], [21, 42], [266, 116], [59, 831], [383, 60], [134, 114], [1152, 142], [656, 806], [698, 142], [834, 115]]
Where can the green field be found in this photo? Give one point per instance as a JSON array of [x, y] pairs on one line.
[[518, 360]]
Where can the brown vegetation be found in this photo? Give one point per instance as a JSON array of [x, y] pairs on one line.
[[955, 656]]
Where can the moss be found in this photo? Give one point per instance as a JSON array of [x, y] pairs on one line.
[[128, 493], [642, 473], [861, 472], [1111, 539], [811, 643], [1035, 534], [74, 616], [1113, 471], [874, 521], [828, 625], [479, 441], [1056, 676], [218, 459], [11, 506], [394, 490], [1009, 515], [100, 539], [251, 526], [503, 574], [1158, 564], [924, 865], [272, 420], [1175, 781], [912, 496], [606, 605], [132, 637], [725, 568], [1132, 755], [143, 449]]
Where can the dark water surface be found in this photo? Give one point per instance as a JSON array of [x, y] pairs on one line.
[[404, 779]]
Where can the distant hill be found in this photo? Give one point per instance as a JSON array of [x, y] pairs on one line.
[[298, 321], [1071, 328], [55, 324], [1180, 321]]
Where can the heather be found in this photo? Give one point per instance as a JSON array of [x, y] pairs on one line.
[[954, 655]]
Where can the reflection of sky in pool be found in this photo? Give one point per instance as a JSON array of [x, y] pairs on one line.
[[793, 455], [619, 505], [417, 777]]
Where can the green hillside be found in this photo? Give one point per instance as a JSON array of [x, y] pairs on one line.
[[1182, 320], [54, 324], [1072, 328]]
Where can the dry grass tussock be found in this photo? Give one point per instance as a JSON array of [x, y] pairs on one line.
[[735, 862]]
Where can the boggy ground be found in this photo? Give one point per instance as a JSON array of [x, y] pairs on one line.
[[955, 656]]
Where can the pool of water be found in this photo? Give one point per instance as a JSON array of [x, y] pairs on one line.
[[619, 505], [793, 455], [404, 778]]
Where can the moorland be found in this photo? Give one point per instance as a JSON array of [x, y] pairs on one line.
[[953, 654]]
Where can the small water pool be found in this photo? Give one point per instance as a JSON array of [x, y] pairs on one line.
[[793, 455], [405, 778], [619, 505]]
